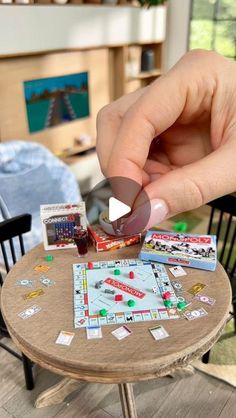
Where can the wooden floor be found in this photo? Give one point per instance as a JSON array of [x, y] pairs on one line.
[[196, 396]]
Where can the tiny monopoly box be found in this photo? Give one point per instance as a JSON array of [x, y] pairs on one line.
[[197, 251], [104, 242], [58, 223]]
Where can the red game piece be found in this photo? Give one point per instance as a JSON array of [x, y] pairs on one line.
[[118, 298], [166, 295], [90, 265], [131, 275]]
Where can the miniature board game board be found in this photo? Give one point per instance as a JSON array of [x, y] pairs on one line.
[[197, 251], [97, 286]]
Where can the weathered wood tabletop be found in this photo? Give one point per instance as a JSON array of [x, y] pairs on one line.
[[138, 357]]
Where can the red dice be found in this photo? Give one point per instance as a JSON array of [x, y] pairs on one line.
[[90, 265]]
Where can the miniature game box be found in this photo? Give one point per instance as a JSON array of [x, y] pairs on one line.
[[58, 223], [104, 242], [197, 251]]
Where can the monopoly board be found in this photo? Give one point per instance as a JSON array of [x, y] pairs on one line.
[[96, 285]]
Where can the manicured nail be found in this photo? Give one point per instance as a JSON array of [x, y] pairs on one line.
[[144, 217]]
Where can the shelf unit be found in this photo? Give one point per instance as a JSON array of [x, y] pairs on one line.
[[126, 75]]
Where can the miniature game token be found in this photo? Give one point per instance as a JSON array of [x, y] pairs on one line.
[[205, 299], [65, 338], [90, 265], [131, 275], [180, 226], [41, 268], [118, 298], [93, 332], [116, 272], [30, 311], [103, 312], [159, 332], [24, 282], [109, 291], [33, 294], [195, 314], [121, 332], [168, 303], [46, 281], [196, 288], [181, 305], [49, 257], [177, 271], [166, 295], [98, 285], [131, 303]]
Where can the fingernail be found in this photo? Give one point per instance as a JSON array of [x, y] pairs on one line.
[[144, 217]]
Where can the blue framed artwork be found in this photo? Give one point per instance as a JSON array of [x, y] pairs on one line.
[[56, 100]]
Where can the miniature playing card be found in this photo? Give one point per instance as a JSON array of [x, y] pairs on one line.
[[159, 332], [29, 312], [178, 271], [94, 332], [24, 282], [46, 281], [196, 288], [205, 299], [33, 294], [195, 314], [121, 332], [41, 268], [65, 338]]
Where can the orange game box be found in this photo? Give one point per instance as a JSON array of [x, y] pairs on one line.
[[105, 242]]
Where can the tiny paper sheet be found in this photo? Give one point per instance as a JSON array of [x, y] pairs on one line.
[[121, 332], [29, 312], [178, 271], [94, 332], [159, 332], [195, 314], [205, 299], [65, 338]]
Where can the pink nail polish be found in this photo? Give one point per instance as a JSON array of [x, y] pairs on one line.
[[139, 221]]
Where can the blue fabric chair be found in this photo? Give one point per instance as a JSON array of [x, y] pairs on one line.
[[30, 175]]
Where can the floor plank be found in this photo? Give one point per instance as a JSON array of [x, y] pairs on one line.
[[87, 401], [4, 413], [11, 373], [229, 409], [21, 405]]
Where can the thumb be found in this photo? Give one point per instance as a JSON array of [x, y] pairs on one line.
[[185, 188]]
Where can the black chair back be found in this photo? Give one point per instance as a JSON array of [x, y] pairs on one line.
[[9, 229], [222, 223]]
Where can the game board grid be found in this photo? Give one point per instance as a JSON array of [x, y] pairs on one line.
[[81, 305]]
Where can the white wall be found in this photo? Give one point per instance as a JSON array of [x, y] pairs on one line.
[[27, 29], [177, 31]]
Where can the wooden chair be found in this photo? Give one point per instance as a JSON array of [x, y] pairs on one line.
[[222, 223], [10, 231]]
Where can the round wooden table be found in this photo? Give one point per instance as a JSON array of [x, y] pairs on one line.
[[107, 360]]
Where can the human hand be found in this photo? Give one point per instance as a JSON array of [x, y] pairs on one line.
[[176, 138]]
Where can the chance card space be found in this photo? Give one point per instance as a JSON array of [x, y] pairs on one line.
[[121, 291]]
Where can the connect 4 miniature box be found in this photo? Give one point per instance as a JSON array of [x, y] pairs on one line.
[[58, 223], [197, 251], [105, 242]]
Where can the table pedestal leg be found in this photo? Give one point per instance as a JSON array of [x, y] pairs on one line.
[[57, 393], [127, 400]]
